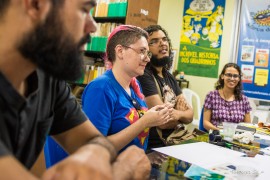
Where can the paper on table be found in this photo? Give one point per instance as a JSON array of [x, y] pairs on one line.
[[208, 156], [259, 162], [202, 154]]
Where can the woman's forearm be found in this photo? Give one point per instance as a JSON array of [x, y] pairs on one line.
[[122, 138]]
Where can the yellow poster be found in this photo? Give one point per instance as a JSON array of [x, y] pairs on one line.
[[201, 37], [261, 77]]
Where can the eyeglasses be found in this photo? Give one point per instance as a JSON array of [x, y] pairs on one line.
[[235, 76], [143, 52], [137, 106], [156, 41]]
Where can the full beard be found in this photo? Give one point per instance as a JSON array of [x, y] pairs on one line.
[[53, 50], [160, 62]]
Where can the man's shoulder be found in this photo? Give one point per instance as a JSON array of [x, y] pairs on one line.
[[44, 78], [148, 70], [49, 84], [146, 75], [169, 74]]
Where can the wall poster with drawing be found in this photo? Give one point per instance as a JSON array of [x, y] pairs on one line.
[[201, 37], [253, 48]]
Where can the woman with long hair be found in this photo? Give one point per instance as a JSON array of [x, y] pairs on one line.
[[227, 102]]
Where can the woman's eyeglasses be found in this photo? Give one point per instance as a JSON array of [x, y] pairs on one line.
[[142, 52], [230, 75]]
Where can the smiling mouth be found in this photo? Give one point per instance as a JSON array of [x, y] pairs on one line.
[[232, 82]]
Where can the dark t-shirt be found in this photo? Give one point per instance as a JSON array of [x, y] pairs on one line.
[[149, 88], [49, 109]]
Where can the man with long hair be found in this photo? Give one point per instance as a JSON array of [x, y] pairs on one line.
[[157, 81]]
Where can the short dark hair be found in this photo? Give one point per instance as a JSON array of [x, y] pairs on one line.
[[220, 83], [154, 28], [124, 35]]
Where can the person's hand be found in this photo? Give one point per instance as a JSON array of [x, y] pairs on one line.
[[156, 158], [172, 112], [89, 162], [156, 116], [168, 105], [175, 115], [132, 164]]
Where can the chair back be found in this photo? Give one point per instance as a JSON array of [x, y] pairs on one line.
[[190, 95], [253, 111], [201, 127]]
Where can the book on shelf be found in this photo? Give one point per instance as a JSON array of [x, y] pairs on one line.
[[99, 39], [90, 73], [111, 8]]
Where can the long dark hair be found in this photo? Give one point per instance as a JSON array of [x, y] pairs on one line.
[[154, 28], [220, 83]]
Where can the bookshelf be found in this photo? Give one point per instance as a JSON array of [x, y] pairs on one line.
[[111, 13], [140, 13]]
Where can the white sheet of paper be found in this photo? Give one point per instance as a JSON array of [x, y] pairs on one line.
[[208, 156], [259, 162], [202, 154]]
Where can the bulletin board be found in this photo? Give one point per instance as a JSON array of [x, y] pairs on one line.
[[253, 48]]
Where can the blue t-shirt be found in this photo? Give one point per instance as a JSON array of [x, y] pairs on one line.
[[110, 108]]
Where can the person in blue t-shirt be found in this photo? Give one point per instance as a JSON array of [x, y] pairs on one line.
[[114, 102]]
